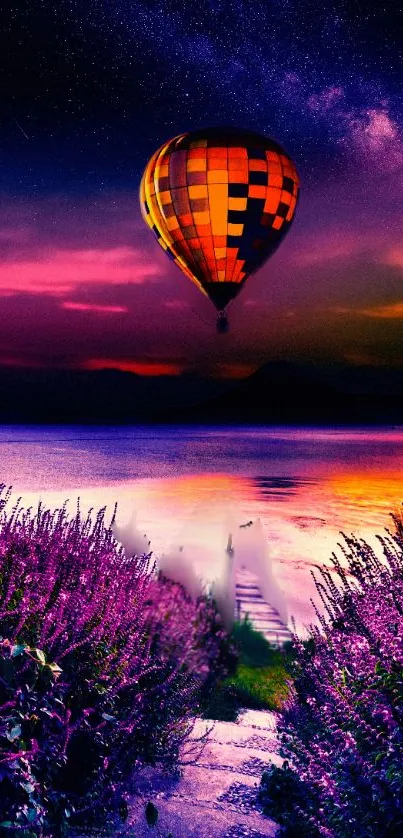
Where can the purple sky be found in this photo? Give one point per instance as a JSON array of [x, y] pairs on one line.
[[82, 281]]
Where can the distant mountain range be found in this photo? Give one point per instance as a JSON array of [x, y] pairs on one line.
[[279, 392]]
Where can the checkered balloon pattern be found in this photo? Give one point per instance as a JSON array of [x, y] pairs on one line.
[[219, 201]]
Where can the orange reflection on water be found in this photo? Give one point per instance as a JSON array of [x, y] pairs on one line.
[[365, 498]]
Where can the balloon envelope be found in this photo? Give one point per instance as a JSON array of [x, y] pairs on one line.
[[220, 201]]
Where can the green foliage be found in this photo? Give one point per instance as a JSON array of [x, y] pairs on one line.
[[30, 715], [260, 681], [260, 687], [254, 649]]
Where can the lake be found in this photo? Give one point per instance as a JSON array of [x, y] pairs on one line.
[[191, 485]]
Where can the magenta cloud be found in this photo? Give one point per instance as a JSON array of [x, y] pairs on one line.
[[61, 271]]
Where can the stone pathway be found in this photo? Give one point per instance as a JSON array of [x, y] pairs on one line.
[[216, 796], [264, 617]]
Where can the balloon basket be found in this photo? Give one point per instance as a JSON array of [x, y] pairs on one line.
[[222, 323]]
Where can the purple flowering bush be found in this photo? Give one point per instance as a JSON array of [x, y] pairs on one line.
[[94, 679], [342, 729], [205, 647]]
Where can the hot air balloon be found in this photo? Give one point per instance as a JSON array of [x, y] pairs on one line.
[[220, 201]]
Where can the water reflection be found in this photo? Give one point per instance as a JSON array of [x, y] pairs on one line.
[[283, 487], [306, 486]]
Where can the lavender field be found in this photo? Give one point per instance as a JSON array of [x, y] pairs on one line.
[[107, 666]]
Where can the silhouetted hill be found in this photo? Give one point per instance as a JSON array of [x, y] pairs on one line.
[[287, 393], [110, 396], [278, 392]]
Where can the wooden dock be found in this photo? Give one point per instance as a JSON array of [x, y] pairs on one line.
[[263, 616]]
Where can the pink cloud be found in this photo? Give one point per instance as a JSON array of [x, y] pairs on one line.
[[93, 307], [65, 222], [60, 271], [392, 311], [176, 305], [329, 248], [332, 244], [388, 311], [395, 257], [251, 302]]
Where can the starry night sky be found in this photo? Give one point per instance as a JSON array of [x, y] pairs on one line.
[[93, 88]]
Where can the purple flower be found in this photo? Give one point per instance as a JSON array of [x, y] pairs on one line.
[[342, 729], [101, 664]]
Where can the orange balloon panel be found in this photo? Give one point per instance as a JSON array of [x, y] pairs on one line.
[[220, 201]]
